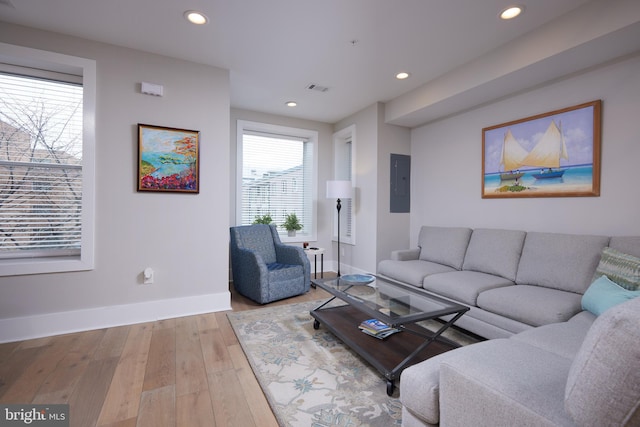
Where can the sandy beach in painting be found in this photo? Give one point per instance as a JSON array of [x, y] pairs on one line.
[[539, 190], [577, 180]]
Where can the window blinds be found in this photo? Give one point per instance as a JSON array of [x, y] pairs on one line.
[[276, 178], [40, 167]]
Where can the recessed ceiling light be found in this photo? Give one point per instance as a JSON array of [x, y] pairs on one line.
[[291, 103], [196, 17], [511, 12], [403, 75]]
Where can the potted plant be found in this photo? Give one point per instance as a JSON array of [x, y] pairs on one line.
[[264, 219], [292, 224]]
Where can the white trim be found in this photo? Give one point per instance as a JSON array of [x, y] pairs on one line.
[[34, 58], [312, 137], [339, 172], [332, 265], [44, 325]]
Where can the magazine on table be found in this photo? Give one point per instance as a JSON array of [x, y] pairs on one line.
[[376, 328]]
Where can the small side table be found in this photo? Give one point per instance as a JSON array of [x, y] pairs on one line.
[[315, 252]]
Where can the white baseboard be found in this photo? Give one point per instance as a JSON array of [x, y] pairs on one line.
[[44, 325], [344, 268]]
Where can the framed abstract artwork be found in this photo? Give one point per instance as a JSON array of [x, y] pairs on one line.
[[555, 154], [168, 159]]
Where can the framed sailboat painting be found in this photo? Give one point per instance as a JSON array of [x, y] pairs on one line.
[[555, 154]]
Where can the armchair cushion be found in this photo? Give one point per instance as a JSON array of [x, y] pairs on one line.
[[257, 238]]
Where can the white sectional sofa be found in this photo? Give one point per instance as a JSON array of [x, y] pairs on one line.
[[512, 280], [584, 372], [548, 362]]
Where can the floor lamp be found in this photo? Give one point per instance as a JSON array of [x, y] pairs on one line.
[[338, 190]]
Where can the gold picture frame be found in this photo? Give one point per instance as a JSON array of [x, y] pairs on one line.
[[555, 154]]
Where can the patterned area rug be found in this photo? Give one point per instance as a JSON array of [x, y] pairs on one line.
[[309, 377]]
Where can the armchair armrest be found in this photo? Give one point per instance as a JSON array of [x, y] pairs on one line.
[[249, 267], [288, 254], [405, 254], [294, 255], [246, 256]]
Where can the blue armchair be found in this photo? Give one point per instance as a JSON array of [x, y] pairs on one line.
[[263, 268]]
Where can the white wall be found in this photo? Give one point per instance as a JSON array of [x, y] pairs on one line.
[[361, 256], [378, 231], [183, 237], [446, 162]]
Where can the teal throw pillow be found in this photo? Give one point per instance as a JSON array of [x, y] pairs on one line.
[[604, 294], [621, 268]]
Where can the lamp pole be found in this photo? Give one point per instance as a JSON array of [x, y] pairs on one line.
[[339, 190], [338, 207]]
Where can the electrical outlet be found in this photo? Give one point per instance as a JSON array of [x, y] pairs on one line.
[[147, 274]]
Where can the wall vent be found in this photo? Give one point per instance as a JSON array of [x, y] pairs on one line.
[[317, 88]]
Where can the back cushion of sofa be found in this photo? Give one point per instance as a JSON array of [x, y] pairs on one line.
[[444, 245], [560, 261], [495, 252], [626, 244]]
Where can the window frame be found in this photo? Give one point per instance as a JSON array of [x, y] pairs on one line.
[[345, 171], [311, 137], [56, 66]]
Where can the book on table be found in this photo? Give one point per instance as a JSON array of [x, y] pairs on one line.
[[376, 328]]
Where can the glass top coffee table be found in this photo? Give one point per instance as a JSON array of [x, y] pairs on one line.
[[353, 302]]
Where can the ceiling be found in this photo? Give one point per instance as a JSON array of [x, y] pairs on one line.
[[275, 48]]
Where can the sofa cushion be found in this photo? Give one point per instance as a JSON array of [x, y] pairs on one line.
[[463, 286], [533, 305], [627, 244], [604, 294], [560, 261], [603, 387], [410, 272], [494, 252], [563, 338], [444, 245], [490, 325], [621, 268]]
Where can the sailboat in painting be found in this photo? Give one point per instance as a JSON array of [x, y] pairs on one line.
[[511, 157], [547, 153]]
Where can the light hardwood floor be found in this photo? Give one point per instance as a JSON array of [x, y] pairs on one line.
[[188, 371]]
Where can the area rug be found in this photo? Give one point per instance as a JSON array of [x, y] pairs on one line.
[[308, 376]]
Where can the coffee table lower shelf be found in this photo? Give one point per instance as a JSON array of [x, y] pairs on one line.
[[390, 355]]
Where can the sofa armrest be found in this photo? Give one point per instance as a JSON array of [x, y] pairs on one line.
[[420, 389], [502, 382], [405, 254], [603, 387]]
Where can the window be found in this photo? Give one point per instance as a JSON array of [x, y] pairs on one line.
[[46, 161], [344, 161], [277, 176]]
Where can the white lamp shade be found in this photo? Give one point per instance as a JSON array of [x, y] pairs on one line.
[[339, 189]]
